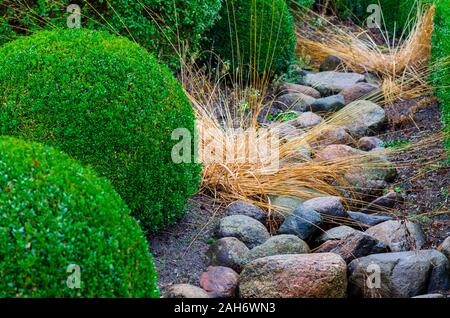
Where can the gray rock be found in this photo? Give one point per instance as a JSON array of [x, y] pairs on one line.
[[220, 282], [303, 152], [430, 296], [278, 245], [289, 88], [379, 150], [294, 101], [335, 233], [306, 120], [398, 235], [327, 246], [370, 143], [368, 219], [383, 203], [331, 135], [444, 248], [228, 252], [367, 189], [294, 276], [364, 118], [330, 205], [337, 152], [244, 208], [287, 205], [368, 166], [358, 91], [375, 170], [357, 244], [402, 274], [329, 83], [246, 229], [184, 291], [303, 222], [331, 103], [331, 63], [372, 78], [300, 153], [285, 130]]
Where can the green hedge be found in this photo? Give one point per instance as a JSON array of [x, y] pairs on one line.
[[108, 103], [56, 213], [396, 13], [179, 21], [299, 8], [255, 35], [440, 52], [297, 5]]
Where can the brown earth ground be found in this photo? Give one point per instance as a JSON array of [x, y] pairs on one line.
[[425, 183], [180, 250]]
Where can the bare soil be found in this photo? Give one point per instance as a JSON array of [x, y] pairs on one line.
[[179, 251], [424, 173]]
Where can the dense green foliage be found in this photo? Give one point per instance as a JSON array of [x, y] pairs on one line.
[[396, 14], [256, 36], [155, 24], [108, 103], [441, 56], [298, 5], [56, 213]]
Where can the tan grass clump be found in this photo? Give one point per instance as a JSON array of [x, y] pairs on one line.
[[219, 110], [358, 48]]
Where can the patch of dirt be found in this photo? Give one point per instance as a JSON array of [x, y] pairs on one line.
[[424, 176], [179, 251]]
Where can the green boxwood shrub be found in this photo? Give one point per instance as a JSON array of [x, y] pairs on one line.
[[297, 5], [108, 103], [441, 55], [56, 213], [179, 21], [258, 36], [396, 13]]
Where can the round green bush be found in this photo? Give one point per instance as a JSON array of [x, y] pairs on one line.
[[56, 214], [158, 25], [108, 103], [256, 36]]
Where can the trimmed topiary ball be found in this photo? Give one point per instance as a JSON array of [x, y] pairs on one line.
[[256, 36], [108, 103], [162, 26], [57, 215]]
